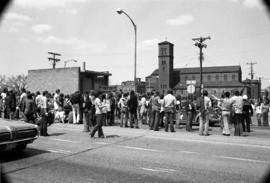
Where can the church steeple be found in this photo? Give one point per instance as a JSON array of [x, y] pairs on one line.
[[165, 60]]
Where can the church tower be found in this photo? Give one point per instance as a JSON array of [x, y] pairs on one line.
[[165, 66]]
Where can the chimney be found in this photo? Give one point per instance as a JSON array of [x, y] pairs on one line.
[[83, 66]]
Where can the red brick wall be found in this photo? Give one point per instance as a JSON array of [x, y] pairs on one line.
[[65, 79]]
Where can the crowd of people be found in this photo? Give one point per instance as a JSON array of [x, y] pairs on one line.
[[96, 109]]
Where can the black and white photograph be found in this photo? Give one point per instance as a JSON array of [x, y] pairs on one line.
[[134, 91]]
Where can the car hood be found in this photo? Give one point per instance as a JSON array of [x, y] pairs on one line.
[[13, 124]]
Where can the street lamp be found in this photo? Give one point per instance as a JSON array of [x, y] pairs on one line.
[[71, 60], [120, 11]]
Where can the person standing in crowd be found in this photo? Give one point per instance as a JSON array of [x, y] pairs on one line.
[[108, 109], [11, 104], [237, 108], [4, 109], [56, 100], [87, 107], [162, 115], [76, 101], [29, 109], [247, 113], [155, 103], [104, 110], [190, 112], [132, 104], [44, 114], [113, 106], [178, 111], [124, 110], [204, 105], [93, 109], [258, 110], [225, 105], [68, 116], [169, 109], [143, 110], [265, 108], [22, 98], [99, 120]]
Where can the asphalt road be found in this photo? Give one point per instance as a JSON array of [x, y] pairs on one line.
[[140, 155]]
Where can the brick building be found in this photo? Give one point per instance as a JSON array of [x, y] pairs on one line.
[[68, 80], [215, 79]]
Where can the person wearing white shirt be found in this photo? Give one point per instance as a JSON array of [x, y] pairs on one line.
[[99, 108], [169, 109]]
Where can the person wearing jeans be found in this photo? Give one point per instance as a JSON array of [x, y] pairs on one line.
[[155, 103], [204, 106], [169, 109], [99, 118]]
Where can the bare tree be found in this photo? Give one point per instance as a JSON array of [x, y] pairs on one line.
[[3, 82], [16, 83]]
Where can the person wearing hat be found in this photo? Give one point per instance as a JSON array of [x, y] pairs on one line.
[[247, 112]]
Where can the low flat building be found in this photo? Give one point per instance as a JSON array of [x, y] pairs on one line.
[[68, 80]]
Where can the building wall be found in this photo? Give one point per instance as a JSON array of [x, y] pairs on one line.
[[65, 79]]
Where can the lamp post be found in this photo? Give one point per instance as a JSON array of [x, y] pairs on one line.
[[71, 60], [120, 11]]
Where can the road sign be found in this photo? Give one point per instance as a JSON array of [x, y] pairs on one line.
[[191, 82], [190, 89]]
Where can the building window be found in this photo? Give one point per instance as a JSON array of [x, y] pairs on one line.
[[163, 62], [233, 77], [163, 51], [225, 77], [217, 77], [186, 77], [209, 77], [193, 77]]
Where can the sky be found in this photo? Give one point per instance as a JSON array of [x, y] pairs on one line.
[[91, 31]]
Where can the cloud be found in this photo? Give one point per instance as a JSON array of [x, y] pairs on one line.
[[180, 20], [76, 44], [43, 4], [71, 11], [149, 43], [17, 17], [41, 28]]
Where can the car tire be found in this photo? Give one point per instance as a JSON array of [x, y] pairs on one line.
[[20, 147]]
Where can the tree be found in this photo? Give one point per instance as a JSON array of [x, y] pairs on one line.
[[15, 83]]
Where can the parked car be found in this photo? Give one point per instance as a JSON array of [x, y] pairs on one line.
[[214, 116], [15, 135]]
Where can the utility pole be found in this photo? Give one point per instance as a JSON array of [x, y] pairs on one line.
[[251, 69], [199, 43], [53, 59]]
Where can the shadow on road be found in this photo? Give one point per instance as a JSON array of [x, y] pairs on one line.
[[8, 156], [56, 134], [112, 136]]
